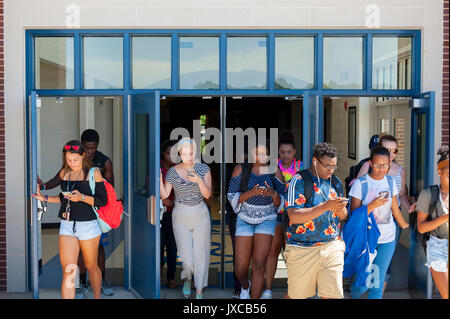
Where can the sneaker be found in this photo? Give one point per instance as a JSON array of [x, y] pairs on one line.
[[81, 292], [236, 295], [245, 293], [199, 296], [267, 294], [106, 289]]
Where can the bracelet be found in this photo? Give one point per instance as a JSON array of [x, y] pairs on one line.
[[43, 188]]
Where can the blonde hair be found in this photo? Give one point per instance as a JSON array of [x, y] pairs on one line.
[[185, 140]]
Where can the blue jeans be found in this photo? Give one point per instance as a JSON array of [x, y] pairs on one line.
[[381, 263], [398, 232]]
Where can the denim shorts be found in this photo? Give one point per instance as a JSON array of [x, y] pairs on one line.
[[82, 230], [245, 229], [437, 254]]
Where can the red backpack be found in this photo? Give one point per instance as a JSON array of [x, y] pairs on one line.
[[108, 216]]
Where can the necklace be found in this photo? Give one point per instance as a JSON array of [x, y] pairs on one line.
[[67, 212]]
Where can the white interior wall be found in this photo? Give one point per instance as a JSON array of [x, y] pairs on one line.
[[22, 14]]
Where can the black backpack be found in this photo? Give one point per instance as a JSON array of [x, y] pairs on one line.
[[353, 174], [432, 214], [308, 189]]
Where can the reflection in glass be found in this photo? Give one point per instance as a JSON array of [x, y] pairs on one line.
[[103, 62], [343, 63], [54, 63], [199, 63], [294, 62], [151, 59], [391, 63], [142, 176], [246, 63]]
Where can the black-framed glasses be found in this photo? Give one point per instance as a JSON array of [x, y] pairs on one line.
[[328, 167]]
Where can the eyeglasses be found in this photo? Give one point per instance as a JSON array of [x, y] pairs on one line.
[[379, 166], [74, 147], [393, 150], [328, 167]]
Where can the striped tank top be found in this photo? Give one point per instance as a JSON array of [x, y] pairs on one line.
[[187, 192]]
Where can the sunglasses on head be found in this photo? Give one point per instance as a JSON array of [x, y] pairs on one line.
[[74, 147]]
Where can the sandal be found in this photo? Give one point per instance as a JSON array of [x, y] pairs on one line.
[[187, 289]]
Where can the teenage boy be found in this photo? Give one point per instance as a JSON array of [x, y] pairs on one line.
[[314, 250]]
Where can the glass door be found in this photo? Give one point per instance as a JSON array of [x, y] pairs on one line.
[[311, 118], [145, 212], [422, 172], [32, 203]]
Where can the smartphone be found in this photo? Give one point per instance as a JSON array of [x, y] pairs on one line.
[[262, 187], [383, 194], [190, 172], [342, 199], [66, 193]]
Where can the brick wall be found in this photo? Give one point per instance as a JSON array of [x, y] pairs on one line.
[[445, 80], [2, 159]]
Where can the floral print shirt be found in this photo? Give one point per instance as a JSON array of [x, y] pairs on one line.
[[321, 229]]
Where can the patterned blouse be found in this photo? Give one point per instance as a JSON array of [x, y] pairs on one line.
[[257, 208]]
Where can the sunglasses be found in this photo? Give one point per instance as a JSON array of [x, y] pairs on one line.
[[74, 147], [393, 150]]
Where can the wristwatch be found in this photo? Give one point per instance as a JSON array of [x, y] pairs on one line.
[[82, 197]]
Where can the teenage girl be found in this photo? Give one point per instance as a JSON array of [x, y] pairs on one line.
[[289, 166], [79, 228]]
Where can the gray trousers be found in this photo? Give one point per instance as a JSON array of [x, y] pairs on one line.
[[192, 230]]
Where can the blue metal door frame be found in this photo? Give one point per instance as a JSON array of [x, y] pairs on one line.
[[317, 92]]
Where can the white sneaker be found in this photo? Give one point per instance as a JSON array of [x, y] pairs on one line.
[[267, 294], [245, 293]]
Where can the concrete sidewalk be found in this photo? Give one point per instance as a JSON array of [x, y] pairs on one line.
[[213, 293]]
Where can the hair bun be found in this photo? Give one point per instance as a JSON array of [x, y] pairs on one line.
[[287, 136]]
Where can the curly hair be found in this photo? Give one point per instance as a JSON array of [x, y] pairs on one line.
[[443, 153], [324, 149]]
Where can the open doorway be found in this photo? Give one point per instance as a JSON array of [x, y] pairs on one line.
[[59, 120], [282, 113], [181, 112], [349, 123]]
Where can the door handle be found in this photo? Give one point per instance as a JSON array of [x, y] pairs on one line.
[[151, 210]]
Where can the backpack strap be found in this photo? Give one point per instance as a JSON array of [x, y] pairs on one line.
[[92, 179], [364, 186], [434, 199], [390, 180], [307, 183]]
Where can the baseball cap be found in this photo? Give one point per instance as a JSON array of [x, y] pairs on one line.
[[374, 141]]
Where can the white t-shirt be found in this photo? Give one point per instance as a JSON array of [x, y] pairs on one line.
[[382, 214]]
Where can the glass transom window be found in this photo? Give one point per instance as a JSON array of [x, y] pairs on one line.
[[103, 62], [151, 58], [294, 62], [54, 63], [199, 63], [246, 63], [343, 63], [391, 66]]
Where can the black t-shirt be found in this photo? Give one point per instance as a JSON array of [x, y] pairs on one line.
[[81, 211], [99, 160]]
